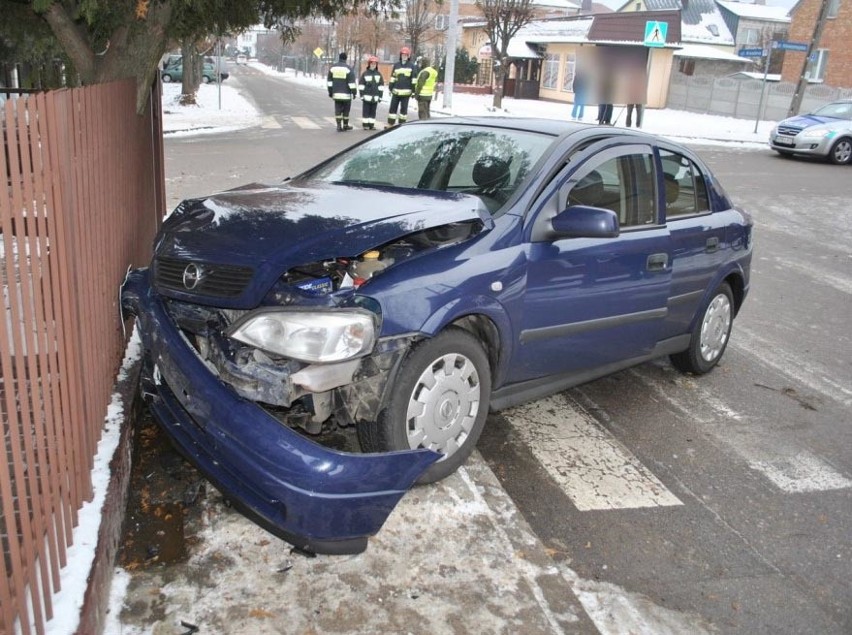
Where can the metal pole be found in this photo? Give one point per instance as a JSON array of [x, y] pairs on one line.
[[763, 87], [219, 69], [450, 64], [802, 84]]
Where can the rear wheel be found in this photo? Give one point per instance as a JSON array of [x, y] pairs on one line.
[[710, 334], [439, 401], [166, 78], [841, 152], [205, 79]]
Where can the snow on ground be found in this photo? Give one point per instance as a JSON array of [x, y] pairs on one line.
[[683, 126], [220, 108]]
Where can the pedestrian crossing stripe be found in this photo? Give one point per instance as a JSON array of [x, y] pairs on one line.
[[307, 123], [594, 469]]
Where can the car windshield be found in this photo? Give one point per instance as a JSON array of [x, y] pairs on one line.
[[487, 162], [839, 110]]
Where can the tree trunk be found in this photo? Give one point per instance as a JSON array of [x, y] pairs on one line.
[[191, 73], [499, 75], [133, 49]]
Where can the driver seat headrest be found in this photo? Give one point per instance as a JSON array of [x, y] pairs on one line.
[[588, 190], [491, 173]]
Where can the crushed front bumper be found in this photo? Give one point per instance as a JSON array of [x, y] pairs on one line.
[[318, 499]]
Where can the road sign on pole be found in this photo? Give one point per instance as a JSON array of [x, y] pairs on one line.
[[751, 52], [655, 33], [791, 46]]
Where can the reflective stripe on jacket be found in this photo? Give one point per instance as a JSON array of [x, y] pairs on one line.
[[372, 85], [426, 81], [402, 79], [341, 82]]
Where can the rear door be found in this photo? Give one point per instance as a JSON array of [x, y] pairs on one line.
[[698, 239], [594, 302]]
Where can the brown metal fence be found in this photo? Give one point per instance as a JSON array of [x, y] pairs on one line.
[[84, 192]]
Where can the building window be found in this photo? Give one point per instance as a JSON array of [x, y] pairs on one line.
[[442, 22], [817, 66], [833, 8], [686, 66], [750, 37], [550, 72], [568, 75]]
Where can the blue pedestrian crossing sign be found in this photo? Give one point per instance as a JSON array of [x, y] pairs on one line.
[[655, 33]]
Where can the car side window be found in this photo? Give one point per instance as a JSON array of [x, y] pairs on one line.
[[685, 187], [623, 184]]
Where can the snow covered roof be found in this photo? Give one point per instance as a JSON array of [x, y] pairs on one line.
[[701, 20], [702, 51], [756, 11], [556, 4]]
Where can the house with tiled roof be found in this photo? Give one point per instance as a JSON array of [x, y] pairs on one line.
[[546, 54], [708, 43], [756, 26]]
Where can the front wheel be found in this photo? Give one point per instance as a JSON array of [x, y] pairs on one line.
[[841, 152], [710, 335], [439, 401], [205, 79], [167, 78]]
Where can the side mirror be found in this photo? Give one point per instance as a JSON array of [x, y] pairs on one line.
[[580, 221]]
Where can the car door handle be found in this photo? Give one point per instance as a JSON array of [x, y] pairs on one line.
[[712, 244], [657, 262]]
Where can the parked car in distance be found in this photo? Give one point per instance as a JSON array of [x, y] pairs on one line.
[[412, 283], [242, 59], [174, 72], [825, 133]]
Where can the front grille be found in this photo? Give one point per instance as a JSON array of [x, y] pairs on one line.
[[214, 280], [790, 131]]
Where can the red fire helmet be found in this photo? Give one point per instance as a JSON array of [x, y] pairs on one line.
[[405, 51]]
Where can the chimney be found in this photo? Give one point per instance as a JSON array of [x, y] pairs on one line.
[[586, 6]]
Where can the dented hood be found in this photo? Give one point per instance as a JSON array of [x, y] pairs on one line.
[[280, 227]]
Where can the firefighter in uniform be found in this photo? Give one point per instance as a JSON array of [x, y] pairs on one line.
[[342, 89], [427, 78], [401, 86], [372, 89]]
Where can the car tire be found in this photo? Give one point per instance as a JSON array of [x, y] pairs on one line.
[[167, 78], [841, 151], [710, 334], [450, 373], [205, 79]]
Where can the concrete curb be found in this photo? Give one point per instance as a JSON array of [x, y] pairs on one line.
[[97, 596]]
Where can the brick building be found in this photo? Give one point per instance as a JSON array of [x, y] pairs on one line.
[[832, 63]]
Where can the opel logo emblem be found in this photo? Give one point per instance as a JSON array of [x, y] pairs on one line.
[[192, 275]]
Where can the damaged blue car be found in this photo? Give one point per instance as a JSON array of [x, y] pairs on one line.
[[411, 284]]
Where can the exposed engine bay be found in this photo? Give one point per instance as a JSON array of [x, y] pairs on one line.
[[313, 397]]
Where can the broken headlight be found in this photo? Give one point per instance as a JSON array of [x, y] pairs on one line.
[[309, 336]]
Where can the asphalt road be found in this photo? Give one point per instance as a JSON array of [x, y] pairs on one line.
[[727, 497]]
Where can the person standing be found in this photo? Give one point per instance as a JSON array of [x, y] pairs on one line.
[[372, 89], [607, 90], [342, 89], [638, 108], [579, 88], [424, 90], [401, 84]]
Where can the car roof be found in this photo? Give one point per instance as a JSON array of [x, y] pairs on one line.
[[553, 127]]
